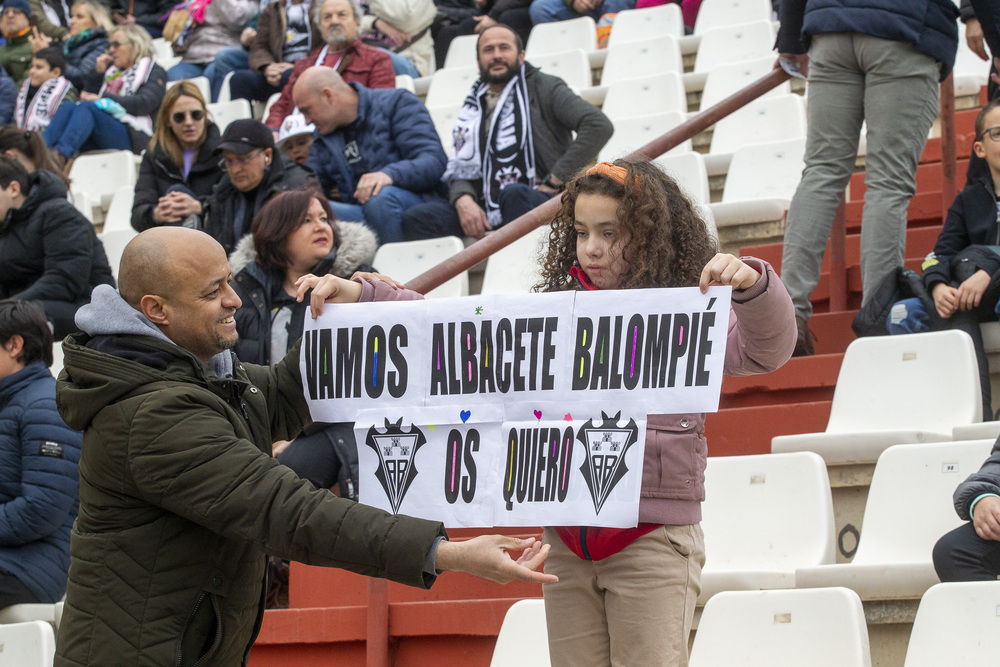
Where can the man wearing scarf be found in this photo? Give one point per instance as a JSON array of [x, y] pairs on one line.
[[15, 53], [513, 144]]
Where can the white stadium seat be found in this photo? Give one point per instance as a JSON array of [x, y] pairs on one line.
[[762, 121], [559, 36], [956, 624], [571, 66], [725, 80], [643, 97], [635, 60], [516, 267], [761, 181], [818, 628], [119, 214], [636, 25], [688, 170], [634, 133], [224, 113], [882, 396], [99, 175], [462, 52], [725, 13], [523, 638], [747, 41], [408, 259], [449, 87], [30, 644]]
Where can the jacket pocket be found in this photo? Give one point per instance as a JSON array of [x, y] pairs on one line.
[[674, 461], [202, 633]]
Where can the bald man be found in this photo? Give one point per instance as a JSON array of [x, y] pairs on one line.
[[376, 152], [180, 499]]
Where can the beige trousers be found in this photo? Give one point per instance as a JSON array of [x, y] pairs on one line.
[[634, 608]]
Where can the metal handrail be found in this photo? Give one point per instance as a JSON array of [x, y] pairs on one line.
[[542, 214]]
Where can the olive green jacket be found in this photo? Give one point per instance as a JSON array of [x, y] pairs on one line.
[[180, 501]]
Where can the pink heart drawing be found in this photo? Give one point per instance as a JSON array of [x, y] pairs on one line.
[[538, 414], [568, 417]]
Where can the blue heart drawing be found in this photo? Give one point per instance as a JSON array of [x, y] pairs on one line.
[[465, 414]]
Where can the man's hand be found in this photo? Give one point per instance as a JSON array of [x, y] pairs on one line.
[[727, 270], [483, 21], [584, 6], [37, 40], [801, 60], [247, 37], [970, 292], [986, 518], [472, 217], [486, 557], [392, 32], [329, 288], [273, 72], [945, 299], [974, 38], [370, 185]]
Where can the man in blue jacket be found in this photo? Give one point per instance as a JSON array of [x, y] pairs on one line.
[[376, 151], [874, 61], [38, 462]]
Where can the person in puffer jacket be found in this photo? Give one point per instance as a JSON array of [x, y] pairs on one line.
[[376, 152], [38, 463], [626, 596]]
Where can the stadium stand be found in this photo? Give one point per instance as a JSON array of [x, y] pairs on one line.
[[523, 641]]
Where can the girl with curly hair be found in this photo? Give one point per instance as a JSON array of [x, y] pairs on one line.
[[627, 596]]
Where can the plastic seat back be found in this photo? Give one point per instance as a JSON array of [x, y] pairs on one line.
[[449, 87], [925, 475], [883, 384], [771, 512], [516, 268], [408, 259], [725, 80], [224, 113], [765, 171], [636, 60], [763, 121], [30, 644], [114, 243], [560, 36], [634, 133], [444, 122], [725, 13], [99, 175], [688, 170], [736, 43], [462, 52], [957, 623], [643, 97], [571, 66], [523, 639], [821, 627], [636, 25], [120, 212]]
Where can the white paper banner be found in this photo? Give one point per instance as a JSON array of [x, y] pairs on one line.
[[513, 410]]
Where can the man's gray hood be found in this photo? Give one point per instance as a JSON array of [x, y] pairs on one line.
[[108, 314]]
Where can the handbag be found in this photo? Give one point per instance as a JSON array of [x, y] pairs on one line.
[[901, 283]]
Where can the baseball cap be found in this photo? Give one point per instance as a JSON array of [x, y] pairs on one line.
[[245, 135], [294, 125]]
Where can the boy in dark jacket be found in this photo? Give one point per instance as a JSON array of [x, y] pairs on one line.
[[376, 152], [38, 463], [962, 274], [48, 250]]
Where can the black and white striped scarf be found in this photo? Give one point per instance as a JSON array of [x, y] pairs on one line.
[[37, 113]]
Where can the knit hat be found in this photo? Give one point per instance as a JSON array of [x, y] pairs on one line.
[[19, 5]]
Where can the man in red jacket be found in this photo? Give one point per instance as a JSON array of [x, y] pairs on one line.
[[356, 62]]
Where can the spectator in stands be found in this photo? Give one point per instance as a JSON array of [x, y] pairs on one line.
[[149, 14], [39, 491], [29, 149], [87, 39], [183, 475], [219, 26], [181, 166], [962, 274], [403, 30], [874, 63], [355, 61], [15, 52], [971, 552], [490, 181], [450, 24], [626, 596], [51, 18], [548, 11], [293, 235], [376, 152], [48, 251], [296, 138], [44, 90], [120, 115], [255, 172], [8, 97], [285, 33]]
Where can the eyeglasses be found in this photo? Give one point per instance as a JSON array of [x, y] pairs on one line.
[[992, 132], [196, 115], [115, 45], [233, 161]]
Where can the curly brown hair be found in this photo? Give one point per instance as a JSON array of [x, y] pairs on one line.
[[666, 243]]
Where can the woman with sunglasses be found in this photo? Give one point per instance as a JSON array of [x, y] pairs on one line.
[[120, 115], [179, 169]]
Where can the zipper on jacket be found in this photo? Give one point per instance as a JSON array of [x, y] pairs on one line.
[[218, 631], [194, 612], [583, 543]]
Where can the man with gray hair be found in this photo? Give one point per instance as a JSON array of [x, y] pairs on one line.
[[338, 22]]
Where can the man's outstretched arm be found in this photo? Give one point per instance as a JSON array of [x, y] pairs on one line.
[[486, 557]]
